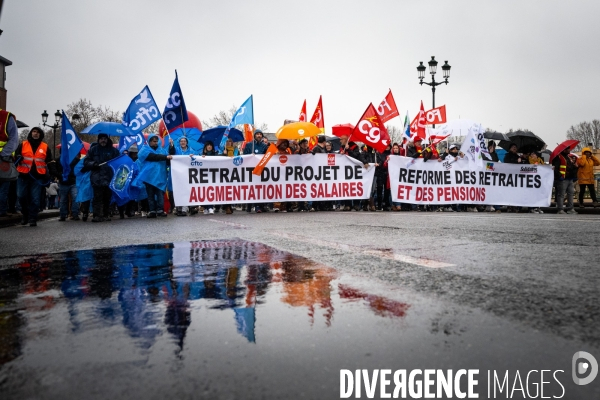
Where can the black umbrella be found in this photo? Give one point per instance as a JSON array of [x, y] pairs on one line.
[[21, 124], [495, 135], [521, 139]]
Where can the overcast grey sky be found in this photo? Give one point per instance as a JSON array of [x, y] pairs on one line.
[[515, 64]]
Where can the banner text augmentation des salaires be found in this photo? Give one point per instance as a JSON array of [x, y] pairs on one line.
[[226, 180]]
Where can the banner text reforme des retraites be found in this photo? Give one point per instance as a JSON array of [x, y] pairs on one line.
[[460, 182]]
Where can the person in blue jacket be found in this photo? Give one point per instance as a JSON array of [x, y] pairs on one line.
[[181, 148], [85, 193], [153, 174]]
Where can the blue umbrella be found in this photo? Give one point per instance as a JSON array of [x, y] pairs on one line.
[[216, 134], [192, 135], [109, 128]]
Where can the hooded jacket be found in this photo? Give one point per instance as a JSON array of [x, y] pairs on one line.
[[255, 147], [153, 166], [35, 143], [177, 150], [585, 174], [101, 174], [82, 180]]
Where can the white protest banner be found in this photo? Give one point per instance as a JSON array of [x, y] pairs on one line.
[[432, 182], [229, 180]]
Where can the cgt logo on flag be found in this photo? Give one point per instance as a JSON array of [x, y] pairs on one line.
[[283, 159], [330, 159]]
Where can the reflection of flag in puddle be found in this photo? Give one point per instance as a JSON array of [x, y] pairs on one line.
[[308, 284], [245, 319], [380, 305]]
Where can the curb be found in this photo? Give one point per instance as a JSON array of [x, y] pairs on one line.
[[15, 219]]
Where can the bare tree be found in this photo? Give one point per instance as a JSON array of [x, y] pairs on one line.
[[224, 118], [152, 128], [587, 133], [88, 114], [86, 111], [104, 113], [395, 133], [23, 135], [220, 118]]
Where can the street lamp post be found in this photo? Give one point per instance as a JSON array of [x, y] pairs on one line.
[[432, 69], [57, 117]]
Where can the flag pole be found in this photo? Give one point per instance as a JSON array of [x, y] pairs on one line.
[[252, 101]]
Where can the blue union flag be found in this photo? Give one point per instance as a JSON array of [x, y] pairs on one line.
[[142, 111], [175, 112], [123, 168]]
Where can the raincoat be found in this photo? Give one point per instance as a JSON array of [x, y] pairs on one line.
[[153, 166], [82, 181], [585, 174], [142, 194]]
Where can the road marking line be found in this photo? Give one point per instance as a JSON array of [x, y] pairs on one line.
[[239, 226], [387, 254], [524, 216]]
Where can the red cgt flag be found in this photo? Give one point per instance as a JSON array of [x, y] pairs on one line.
[[371, 131], [387, 109], [317, 117], [417, 127], [302, 117], [434, 116], [319, 121]]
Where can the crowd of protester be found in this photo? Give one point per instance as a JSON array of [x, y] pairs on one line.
[[86, 189]]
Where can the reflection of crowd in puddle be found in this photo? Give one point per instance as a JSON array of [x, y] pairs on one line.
[[155, 280]]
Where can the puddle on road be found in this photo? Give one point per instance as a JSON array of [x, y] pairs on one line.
[[151, 291], [225, 318]]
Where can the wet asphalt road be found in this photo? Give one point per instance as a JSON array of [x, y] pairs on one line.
[[410, 290]]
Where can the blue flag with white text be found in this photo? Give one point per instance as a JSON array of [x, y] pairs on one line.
[[244, 115], [71, 146], [175, 112], [142, 111], [125, 142]]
